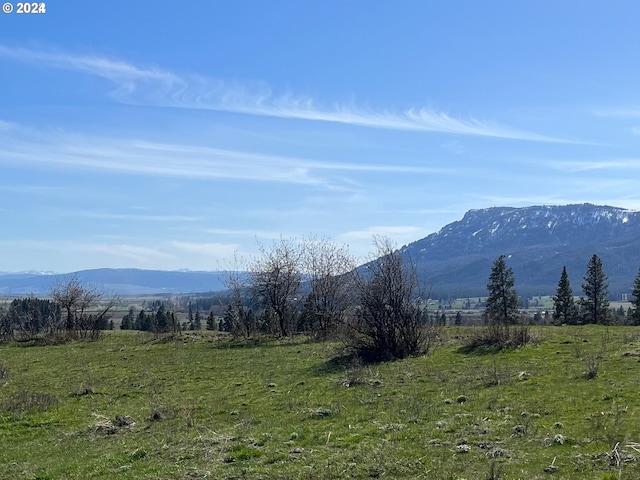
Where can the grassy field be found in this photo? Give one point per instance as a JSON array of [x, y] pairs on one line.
[[135, 406]]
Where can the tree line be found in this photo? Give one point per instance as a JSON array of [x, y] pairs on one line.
[[504, 306], [594, 307], [74, 311], [313, 287], [505, 325]]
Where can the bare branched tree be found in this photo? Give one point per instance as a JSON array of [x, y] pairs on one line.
[[275, 278], [237, 283], [87, 312], [329, 269], [388, 320]]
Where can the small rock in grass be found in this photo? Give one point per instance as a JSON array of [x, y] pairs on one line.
[[519, 430], [464, 448]]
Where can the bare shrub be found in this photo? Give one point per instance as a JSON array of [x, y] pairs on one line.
[[498, 336], [87, 313], [387, 323], [329, 268], [275, 280], [592, 363]]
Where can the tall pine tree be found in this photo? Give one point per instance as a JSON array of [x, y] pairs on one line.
[[502, 304], [635, 314], [595, 305], [565, 306], [211, 322]]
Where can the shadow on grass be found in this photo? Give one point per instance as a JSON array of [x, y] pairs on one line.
[[336, 364], [482, 349], [260, 341], [342, 362]]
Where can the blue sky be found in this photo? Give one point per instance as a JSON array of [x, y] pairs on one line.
[[170, 135]]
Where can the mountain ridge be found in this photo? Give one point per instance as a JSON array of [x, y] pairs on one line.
[[537, 240], [122, 281], [453, 262]]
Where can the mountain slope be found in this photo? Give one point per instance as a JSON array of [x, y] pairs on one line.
[[538, 241], [128, 281], [456, 261]]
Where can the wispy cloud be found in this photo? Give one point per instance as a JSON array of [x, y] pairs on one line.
[[154, 86], [394, 232], [69, 248], [131, 252], [121, 155], [590, 165], [244, 233], [124, 75], [31, 189], [6, 126], [216, 250], [135, 217]]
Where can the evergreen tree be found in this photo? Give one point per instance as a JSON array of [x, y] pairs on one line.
[[192, 325], [458, 320], [226, 324], [565, 306], [595, 307], [162, 322], [128, 320], [635, 315], [211, 322], [197, 322], [140, 321], [173, 325], [502, 304]]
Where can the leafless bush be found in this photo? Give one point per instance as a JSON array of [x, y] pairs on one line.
[[592, 363], [388, 318], [87, 313], [329, 268], [498, 336], [275, 279]]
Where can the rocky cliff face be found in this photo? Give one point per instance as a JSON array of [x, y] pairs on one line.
[[537, 241]]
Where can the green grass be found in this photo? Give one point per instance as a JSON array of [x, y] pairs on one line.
[[135, 406]]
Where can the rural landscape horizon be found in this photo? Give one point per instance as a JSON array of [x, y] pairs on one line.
[[319, 240]]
